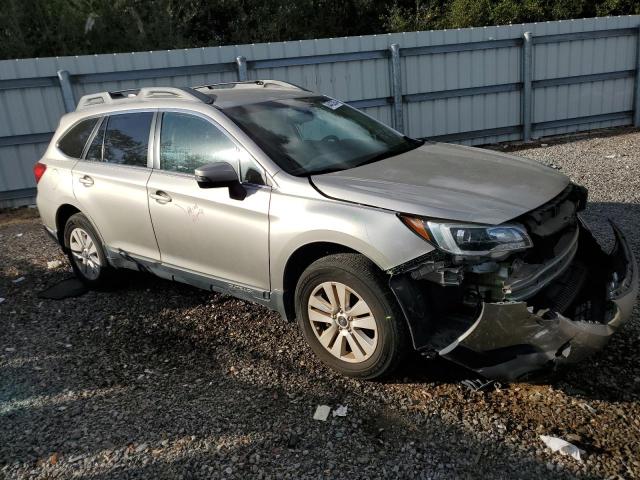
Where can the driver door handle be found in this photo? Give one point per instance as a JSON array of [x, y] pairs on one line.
[[160, 197], [86, 180]]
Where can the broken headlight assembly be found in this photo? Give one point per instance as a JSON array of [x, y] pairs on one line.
[[469, 239]]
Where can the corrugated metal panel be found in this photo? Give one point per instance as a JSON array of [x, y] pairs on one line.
[[582, 57], [459, 70], [436, 70], [503, 66]]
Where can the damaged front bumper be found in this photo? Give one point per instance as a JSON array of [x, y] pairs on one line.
[[511, 339]]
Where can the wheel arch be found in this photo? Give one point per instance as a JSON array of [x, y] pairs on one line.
[[298, 261], [64, 212]]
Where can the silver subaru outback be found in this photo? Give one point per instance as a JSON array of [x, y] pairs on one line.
[[378, 244]]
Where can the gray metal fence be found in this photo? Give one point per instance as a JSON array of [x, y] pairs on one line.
[[475, 85]]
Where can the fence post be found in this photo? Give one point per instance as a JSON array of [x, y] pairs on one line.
[[67, 92], [526, 85], [636, 96], [396, 88], [241, 62]]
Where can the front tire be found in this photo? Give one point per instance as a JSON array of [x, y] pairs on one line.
[[349, 316], [85, 252]]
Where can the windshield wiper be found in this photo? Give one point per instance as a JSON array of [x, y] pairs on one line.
[[418, 142], [391, 153], [326, 170], [412, 144]]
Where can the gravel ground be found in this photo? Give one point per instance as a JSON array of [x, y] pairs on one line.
[[158, 380]]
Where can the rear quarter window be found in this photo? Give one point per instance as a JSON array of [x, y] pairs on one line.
[[72, 143]]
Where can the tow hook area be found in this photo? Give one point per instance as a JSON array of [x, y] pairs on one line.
[[508, 340]]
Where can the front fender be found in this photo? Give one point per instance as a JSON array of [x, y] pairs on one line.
[[376, 233]]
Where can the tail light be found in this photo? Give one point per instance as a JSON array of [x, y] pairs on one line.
[[38, 170]]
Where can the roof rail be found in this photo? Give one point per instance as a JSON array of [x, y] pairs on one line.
[[261, 83], [145, 93]]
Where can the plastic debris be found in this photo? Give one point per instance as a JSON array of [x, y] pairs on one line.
[[588, 408], [477, 384], [613, 155], [67, 288], [54, 264], [322, 413], [19, 234], [18, 280], [141, 448], [565, 448], [2, 299], [341, 411]]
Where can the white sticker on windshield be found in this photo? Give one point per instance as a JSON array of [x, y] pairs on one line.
[[333, 104]]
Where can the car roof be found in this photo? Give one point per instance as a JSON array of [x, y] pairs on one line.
[[244, 95], [222, 95]]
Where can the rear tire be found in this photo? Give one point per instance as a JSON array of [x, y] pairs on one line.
[[349, 316], [85, 252]]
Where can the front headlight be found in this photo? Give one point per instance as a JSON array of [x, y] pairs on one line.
[[470, 240]]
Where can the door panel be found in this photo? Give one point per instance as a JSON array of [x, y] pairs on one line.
[[205, 231], [111, 185], [116, 201]]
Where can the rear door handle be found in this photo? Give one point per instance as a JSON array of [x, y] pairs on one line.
[[160, 197], [86, 180]]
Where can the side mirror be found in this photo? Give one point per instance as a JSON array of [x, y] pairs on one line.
[[218, 175]]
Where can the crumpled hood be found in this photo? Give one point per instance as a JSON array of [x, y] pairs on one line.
[[449, 182]]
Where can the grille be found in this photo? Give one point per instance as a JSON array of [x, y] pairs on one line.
[[566, 288], [553, 269], [549, 222]]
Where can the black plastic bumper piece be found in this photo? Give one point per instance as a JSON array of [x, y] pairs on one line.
[[509, 340]]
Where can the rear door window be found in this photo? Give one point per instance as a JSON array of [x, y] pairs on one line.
[[126, 138], [73, 142]]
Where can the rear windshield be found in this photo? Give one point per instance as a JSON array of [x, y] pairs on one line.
[[313, 135]]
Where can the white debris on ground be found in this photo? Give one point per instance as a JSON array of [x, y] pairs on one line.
[[2, 299], [54, 264], [340, 411], [322, 413], [18, 280], [565, 448]]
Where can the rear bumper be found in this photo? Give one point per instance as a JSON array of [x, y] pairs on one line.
[[509, 340]]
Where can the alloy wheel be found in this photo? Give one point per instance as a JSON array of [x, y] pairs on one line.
[[343, 322], [85, 253]]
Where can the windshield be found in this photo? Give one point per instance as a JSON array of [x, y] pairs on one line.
[[312, 135]]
